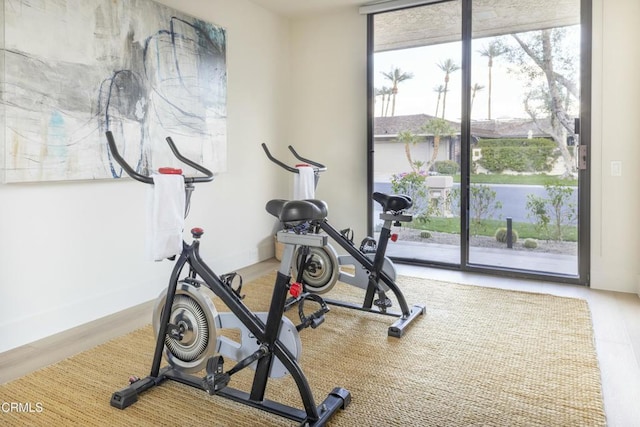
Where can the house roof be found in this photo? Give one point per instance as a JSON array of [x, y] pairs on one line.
[[510, 128], [502, 128], [392, 126]]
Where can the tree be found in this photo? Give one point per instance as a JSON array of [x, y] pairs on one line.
[[408, 139], [548, 63], [492, 51], [438, 128], [448, 66], [396, 75], [474, 89], [385, 94], [439, 90]]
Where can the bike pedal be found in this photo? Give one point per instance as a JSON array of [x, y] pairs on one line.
[[368, 245], [383, 303], [347, 233], [214, 383], [216, 379]]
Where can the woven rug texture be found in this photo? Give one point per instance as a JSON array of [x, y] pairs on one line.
[[478, 357]]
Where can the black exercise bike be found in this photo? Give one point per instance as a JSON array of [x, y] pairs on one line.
[[187, 334], [318, 269]]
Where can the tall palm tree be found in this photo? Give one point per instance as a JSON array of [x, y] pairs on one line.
[[492, 51], [384, 94], [448, 66], [387, 93], [396, 75], [474, 89], [440, 90]]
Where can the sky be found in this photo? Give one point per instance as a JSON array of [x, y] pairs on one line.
[[417, 95]]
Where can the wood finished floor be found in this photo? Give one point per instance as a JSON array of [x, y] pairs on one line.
[[616, 320]]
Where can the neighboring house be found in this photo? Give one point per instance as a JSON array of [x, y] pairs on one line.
[[390, 155]]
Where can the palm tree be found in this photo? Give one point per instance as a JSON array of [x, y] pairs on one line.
[[384, 93], [438, 128], [407, 138], [387, 93], [492, 51], [396, 76], [448, 66], [474, 89], [440, 90]]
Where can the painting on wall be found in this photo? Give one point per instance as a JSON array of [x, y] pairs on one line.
[[73, 69]]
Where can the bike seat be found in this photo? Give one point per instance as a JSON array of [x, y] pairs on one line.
[[393, 202], [321, 204], [289, 211]]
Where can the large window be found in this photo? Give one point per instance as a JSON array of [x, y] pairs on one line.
[[474, 109]]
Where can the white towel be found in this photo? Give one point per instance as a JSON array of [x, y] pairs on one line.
[[304, 183], [165, 216]]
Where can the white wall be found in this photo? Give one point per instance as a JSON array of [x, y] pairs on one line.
[[72, 252], [328, 100], [328, 109], [615, 206]]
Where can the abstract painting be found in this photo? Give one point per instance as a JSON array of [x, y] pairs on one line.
[[73, 69]]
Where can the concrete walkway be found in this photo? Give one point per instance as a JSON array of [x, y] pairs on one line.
[[501, 258]]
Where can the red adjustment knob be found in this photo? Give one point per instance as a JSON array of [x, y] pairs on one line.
[[170, 171], [197, 232], [394, 237], [295, 289]]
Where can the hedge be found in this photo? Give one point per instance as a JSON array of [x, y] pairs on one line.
[[519, 155]]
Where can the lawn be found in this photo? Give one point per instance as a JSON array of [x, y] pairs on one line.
[[488, 228], [536, 179]]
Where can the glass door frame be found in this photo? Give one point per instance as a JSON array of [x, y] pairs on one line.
[[584, 175]]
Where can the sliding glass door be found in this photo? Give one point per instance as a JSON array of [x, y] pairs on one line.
[[416, 126], [476, 110]]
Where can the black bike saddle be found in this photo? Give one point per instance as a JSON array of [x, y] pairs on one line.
[[393, 202], [321, 204], [292, 211]]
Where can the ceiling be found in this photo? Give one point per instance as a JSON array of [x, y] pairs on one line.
[[307, 7], [440, 22]]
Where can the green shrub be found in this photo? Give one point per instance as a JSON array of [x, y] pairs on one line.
[[554, 213], [413, 184], [482, 206], [425, 234], [530, 244], [501, 235], [519, 155], [446, 167]]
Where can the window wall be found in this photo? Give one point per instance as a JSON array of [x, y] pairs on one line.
[[476, 108]]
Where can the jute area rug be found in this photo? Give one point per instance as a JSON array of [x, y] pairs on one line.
[[479, 356]]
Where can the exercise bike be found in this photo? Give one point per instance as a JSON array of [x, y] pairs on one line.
[[187, 333], [320, 268]]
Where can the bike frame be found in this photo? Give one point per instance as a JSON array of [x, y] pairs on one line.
[[376, 273], [375, 267], [265, 333]]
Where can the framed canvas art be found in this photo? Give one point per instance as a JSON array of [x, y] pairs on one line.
[[73, 69]]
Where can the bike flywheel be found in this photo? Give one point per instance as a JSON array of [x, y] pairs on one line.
[[194, 314]]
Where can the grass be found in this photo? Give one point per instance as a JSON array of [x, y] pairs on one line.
[[488, 228], [536, 179]]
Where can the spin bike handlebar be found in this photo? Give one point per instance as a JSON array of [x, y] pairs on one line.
[[208, 175], [319, 166]]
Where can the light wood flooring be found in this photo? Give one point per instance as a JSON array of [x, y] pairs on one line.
[[616, 321]]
